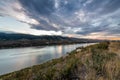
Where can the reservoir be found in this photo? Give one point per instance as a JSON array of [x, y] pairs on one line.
[[19, 58]]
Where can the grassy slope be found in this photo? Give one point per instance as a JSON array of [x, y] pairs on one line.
[[95, 62]]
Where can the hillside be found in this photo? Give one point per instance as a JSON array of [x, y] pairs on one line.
[[25, 40], [96, 62]]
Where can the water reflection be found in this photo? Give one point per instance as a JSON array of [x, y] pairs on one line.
[[18, 58], [60, 50]]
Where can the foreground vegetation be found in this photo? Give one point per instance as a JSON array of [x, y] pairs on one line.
[[96, 62]]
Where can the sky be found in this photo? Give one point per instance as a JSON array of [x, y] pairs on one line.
[[96, 19]]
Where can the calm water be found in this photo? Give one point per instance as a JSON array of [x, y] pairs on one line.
[[19, 58]]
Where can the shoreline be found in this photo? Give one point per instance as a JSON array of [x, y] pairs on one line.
[[51, 44]]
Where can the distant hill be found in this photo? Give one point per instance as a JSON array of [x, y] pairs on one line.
[[17, 36], [8, 40]]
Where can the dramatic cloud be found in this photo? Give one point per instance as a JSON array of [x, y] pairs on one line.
[[80, 17]]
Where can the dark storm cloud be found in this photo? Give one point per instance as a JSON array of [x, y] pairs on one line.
[[43, 26], [111, 6], [94, 5], [106, 6], [1, 15], [71, 5], [88, 30], [46, 8], [73, 16], [42, 7], [37, 9], [66, 10]]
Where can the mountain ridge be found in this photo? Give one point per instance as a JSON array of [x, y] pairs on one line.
[[25, 40]]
